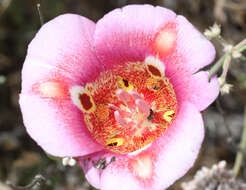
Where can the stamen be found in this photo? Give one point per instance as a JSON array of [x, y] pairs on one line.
[[120, 119], [113, 107], [123, 96], [143, 107], [135, 95]]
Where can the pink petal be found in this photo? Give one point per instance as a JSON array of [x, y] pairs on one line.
[[179, 146], [57, 126], [138, 31], [195, 89], [119, 174], [158, 166], [193, 50], [196, 50], [59, 57], [125, 34], [62, 49], [90, 166]]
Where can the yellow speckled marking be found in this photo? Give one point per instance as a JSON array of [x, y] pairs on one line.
[[115, 142], [168, 115], [124, 84]]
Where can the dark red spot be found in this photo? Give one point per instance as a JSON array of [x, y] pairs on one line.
[[154, 70], [126, 83], [85, 100], [113, 144], [151, 113], [155, 87]]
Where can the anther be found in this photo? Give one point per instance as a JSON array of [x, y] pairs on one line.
[[123, 95], [120, 119], [114, 107], [143, 107], [135, 95]]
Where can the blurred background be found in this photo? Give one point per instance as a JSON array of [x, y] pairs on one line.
[[21, 159]]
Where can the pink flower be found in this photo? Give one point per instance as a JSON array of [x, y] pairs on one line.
[[123, 96]]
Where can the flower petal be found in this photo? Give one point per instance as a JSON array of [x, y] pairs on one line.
[[178, 148], [159, 165], [125, 34], [195, 88], [136, 32], [57, 126], [59, 58], [62, 47], [91, 163], [196, 50]]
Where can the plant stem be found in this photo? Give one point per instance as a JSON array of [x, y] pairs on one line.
[[38, 180], [240, 44], [240, 47], [40, 14], [226, 65], [242, 147], [216, 67]]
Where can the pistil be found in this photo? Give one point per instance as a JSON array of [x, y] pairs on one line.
[[135, 108]]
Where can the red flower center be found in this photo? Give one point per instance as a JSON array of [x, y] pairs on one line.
[[127, 108]]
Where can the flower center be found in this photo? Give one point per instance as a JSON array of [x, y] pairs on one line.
[[130, 106]]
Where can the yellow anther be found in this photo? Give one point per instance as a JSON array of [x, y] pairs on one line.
[[124, 84], [115, 142], [168, 115]]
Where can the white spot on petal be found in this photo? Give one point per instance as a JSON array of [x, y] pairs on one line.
[[143, 166], [75, 91]]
